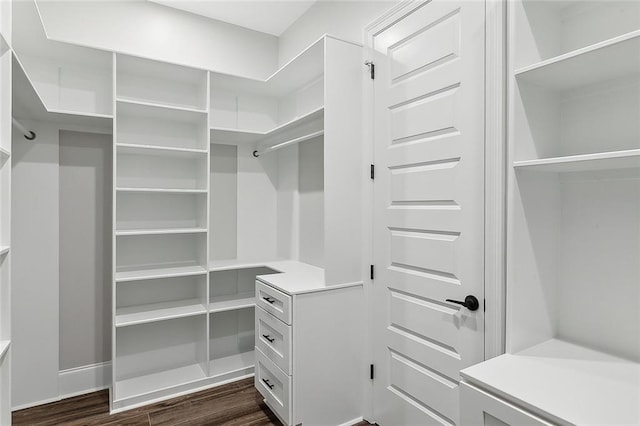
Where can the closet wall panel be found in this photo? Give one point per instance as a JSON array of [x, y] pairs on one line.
[[35, 267], [85, 249]]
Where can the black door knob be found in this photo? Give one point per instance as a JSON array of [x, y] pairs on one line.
[[470, 302]]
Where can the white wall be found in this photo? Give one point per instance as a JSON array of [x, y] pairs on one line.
[[150, 30], [343, 19]]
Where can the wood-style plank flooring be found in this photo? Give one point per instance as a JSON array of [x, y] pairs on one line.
[[234, 404]]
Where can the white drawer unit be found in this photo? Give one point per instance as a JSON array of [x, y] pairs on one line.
[[309, 351], [482, 408], [273, 338], [273, 301]]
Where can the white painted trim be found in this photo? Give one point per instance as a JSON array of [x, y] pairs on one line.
[[35, 404], [495, 177], [352, 422], [85, 379]]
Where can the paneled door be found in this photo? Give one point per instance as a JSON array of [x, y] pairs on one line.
[[428, 210]]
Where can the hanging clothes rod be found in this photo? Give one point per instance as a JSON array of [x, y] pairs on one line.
[[258, 153], [28, 134]]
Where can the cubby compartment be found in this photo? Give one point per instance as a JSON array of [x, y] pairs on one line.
[[231, 342], [135, 170], [155, 256], [155, 357], [574, 273], [267, 208], [147, 81], [153, 126], [138, 211], [234, 288], [548, 29], [161, 299], [595, 125]]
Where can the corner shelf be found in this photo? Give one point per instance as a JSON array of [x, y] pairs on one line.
[[134, 315], [162, 190], [155, 273], [607, 60], [585, 162], [231, 364], [232, 302], [159, 231], [131, 101], [221, 134]]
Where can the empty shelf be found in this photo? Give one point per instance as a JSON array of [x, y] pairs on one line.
[[156, 150], [608, 60], [125, 100], [169, 272], [235, 301], [565, 381], [250, 136], [230, 364], [585, 162], [160, 231], [157, 381], [132, 315], [165, 190]]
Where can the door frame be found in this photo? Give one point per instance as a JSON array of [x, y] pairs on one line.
[[495, 176]]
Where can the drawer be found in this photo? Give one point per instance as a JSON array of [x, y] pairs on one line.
[[273, 301], [273, 338], [478, 407], [274, 385]]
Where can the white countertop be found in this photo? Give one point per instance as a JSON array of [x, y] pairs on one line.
[[567, 383], [292, 277]]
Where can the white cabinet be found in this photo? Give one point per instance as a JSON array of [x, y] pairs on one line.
[[573, 331], [309, 364]]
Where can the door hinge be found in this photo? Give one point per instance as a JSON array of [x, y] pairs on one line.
[[373, 171], [372, 272], [371, 372], [484, 305], [372, 69]]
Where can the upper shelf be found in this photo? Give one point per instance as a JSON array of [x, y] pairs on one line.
[[608, 60], [304, 68], [565, 381], [585, 162], [309, 122]]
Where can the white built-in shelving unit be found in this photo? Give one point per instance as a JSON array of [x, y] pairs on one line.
[[573, 280], [5, 211]]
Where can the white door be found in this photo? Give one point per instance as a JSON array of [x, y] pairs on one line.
[[428, 210]]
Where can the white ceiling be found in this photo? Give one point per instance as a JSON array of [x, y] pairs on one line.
[[268, 16]]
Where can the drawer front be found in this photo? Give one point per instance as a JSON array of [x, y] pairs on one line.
[[478, 407], [273, 338], [274, 385], [274, 301]]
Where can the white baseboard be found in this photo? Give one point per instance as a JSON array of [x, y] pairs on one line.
[[352, 422], [85, 379]]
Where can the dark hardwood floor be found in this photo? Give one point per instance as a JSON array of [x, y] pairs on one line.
[[234, 404]]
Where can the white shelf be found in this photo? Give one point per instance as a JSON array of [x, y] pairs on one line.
[[133, 315], [4, 250], [159, 150], [219, 134], [125, 100], [128, 232], [565, 381], [4, 347], [158, 381], [163, 190], [233, 363], [304, 68], [585, 162], [146, 110], [608, 60], [233, 264], [149, 274], [232, 302], [4, 155]]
